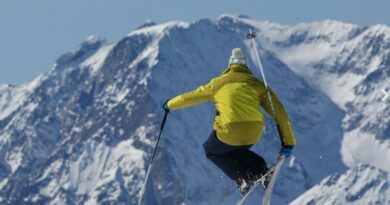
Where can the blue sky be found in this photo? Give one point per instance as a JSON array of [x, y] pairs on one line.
[[34, 33]]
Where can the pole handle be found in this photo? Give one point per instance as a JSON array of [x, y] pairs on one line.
[[164, 119]]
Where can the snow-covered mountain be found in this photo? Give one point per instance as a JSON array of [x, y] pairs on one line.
[[362, 184], [351, 64], [83, 132]]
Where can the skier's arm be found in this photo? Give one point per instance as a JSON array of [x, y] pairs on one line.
[[202, 94], [280, 116]]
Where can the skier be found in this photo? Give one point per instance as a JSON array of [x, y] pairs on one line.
[[238, 124]]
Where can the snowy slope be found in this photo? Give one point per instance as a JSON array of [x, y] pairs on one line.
[[12, 97], [6, 95], [83, 132], [362, 184]]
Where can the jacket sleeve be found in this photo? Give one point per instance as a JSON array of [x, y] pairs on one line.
[[280, 115], [201, 94]]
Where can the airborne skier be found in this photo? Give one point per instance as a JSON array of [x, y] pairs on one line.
[[238, 96]]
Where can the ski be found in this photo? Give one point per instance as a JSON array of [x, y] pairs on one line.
[[247, 193], [274, 170], [270, 186]]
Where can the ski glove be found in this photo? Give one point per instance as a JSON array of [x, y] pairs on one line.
[[165, 106], [286, 150]]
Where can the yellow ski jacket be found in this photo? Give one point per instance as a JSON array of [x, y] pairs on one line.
[[238, 96]]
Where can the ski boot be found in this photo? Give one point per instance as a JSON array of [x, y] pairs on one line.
[[243, 185], [264, 183], [268, 175], [264, 178]]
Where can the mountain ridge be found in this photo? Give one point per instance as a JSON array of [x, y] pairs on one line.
[[75, 139]]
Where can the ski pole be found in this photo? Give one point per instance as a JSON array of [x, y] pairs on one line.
[[252, 36], [281, 157], [152, 159]]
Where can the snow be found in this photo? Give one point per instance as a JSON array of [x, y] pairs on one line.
[[359, 185], [96, 61], [11, 98], [55, 166], [31, 106], [142, 131], [150, 53], [15, 159], [122, 95], [360, 148], [50, 189], [2, 184], [95, 167], [159, 29], [339, 89], [85, 172], [93, 39], [100, 154], [96, 173]]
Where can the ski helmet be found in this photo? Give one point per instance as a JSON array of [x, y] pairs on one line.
[[237, 57]]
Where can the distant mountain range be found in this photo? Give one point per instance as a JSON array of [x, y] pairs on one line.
[[83, 132]]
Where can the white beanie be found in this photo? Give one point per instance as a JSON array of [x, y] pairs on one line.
[[237, 57]]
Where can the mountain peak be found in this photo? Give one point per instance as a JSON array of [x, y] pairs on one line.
[[148, 23], [84, 50], [158, 29], [92, 39], [380, 29], [6, 86], [231, 16]]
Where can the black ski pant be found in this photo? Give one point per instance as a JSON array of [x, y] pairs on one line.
[[235, 161]]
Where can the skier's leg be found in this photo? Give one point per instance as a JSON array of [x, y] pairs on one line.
[[228, 165], [225, 157], [255, 163]]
